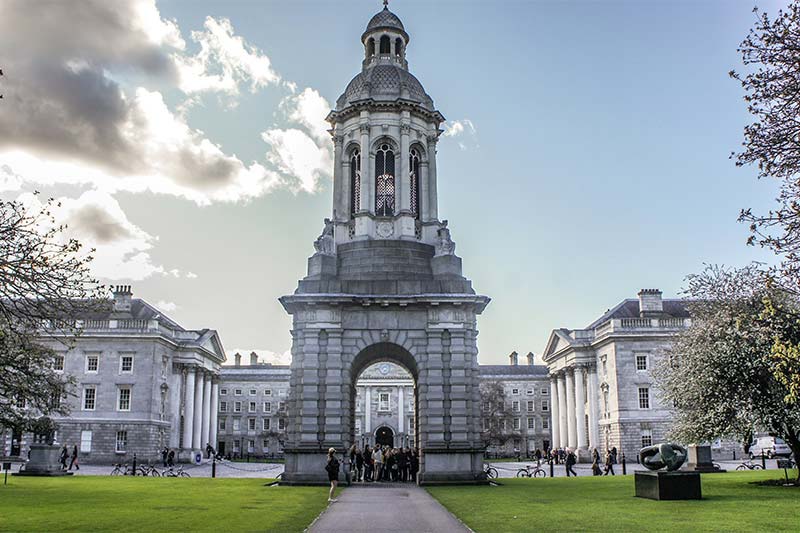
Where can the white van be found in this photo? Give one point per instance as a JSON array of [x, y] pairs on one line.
[[769, 446]]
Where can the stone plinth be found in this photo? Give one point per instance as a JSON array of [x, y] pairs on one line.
[[699, 459], [662, 485], [43, 462]]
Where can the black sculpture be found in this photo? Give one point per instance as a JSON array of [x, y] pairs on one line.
[[664, 455]]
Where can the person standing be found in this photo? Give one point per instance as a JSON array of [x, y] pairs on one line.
[[609, 464], [171, 458], [74, 461], [359, 465], [164, 454], [332, 468], [569, 461], [596, 463], [377, 459], [367, 463], [63, 457]]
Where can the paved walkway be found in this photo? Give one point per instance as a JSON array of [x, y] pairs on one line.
[[386, 508]]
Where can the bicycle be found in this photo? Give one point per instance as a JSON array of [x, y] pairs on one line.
[[491, 472], [531, 471], [122, 470], [175, 472], [749, 465], [148, 470]]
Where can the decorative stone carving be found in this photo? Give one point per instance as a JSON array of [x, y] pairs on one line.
[[324, 243], [444, 244], [384, 229], [664, 455]]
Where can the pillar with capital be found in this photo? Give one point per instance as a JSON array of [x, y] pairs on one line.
[[199, 385], [554, 412], [562, 409], [594, 395], [214, 412], [572, 428], [188, 408], [580, 407], [205, 432]]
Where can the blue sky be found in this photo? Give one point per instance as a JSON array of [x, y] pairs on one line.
[[598, 163]]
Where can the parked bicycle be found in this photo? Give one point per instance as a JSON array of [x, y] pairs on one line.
[[175, 472], [122, 470], [490, 471], [749, 465], [149, 470], [531, 471]]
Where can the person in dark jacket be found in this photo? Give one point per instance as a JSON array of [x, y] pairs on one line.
[[367, 456], [596, 463], [609, 464], [414, 464], [74, 461], [332, 468], [171, 458], [359, 465], [164, 454], [569, 462], [63, 457], [402, 463]]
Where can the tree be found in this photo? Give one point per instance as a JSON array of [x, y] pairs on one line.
[[719, 374], [497, 417], [45, 284]]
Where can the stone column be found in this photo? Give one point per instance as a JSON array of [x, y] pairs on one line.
[[404, 191], [339, 201], [572, 428], [400, 409], [424, 213], [205, 432], [197, 436], [188, 409], [580, 407], [214, 427], [366, 172], [367, 408], [346, 192], [554, 413], [562, 410], [432, 200], [594, 397]]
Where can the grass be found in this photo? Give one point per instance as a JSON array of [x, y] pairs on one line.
[[730, 503], [90, 503]]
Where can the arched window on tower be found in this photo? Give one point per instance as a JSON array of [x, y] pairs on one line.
[[371, 47], [355, 181], [384, 181], [413, 169], [398, 47], [386, 45]]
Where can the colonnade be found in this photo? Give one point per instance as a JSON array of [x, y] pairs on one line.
[[200, 406], [575, 395]]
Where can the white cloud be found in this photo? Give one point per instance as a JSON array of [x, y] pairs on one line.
[[264, 356], [191, 275], [464, 129], [167, 307], [9, 180]]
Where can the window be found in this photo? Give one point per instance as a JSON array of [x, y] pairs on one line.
[[282, 392], [253, 392], [126, 364], [516, 423], [236, 446], [222, 424], [281, 424], [545, 423], [92, 363], [251, 407], [530, 406], [282, 407], [515, 391], [58, 363], [545, 405], [641, 362], [267, 392], [371, 47], [251, 446], [545, 391], [89, 397], [383, 401], [223, 407], [265, 424], [86, 441], [515, 406], [124, 399], [605, 402], [265, 445], [237, 392], [384, 180], [647, 437], [398, 47], [251, 424], [385, 45], [267, 407], [644, 398], [237, 407], [413, 168], [531, 423], [223, 392], [355, 182], [529, 392], [122, 441], [237, 424]]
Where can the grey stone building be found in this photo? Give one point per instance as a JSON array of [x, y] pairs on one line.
[[143, 382], [385, 283]]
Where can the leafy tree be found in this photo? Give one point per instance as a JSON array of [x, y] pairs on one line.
[[719, 375], [44, 284], [498, 420]]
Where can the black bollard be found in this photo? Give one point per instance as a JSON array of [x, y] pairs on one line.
[[551, 467], [734, 455], [214, 467], [763, 461], [134, 465], [624, 470]]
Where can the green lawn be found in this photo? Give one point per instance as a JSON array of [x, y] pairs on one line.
[[91, 503], [729, 503]]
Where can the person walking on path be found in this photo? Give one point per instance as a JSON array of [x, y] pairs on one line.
[[596, 463], [377, 458], [63, 457], [332, 467], [609, 464], [171, 458], [569, 461], [367, 463], [74, 461]]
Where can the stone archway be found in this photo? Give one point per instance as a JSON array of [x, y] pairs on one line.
[[384, 436]]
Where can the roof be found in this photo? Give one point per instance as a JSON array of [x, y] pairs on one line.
[[673, 308], [384, 83], [385, 19], [513, 370]]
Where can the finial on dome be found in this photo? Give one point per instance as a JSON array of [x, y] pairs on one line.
[[385, 4]]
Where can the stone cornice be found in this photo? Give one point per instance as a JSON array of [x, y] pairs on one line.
[[295, 302]]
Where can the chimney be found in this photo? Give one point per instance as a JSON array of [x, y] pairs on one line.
[[253, 358], [530, 358], [122, 298], [650, 302], [513, 358], [238, 359]]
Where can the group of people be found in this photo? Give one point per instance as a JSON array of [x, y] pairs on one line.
[[65, 455], [383, 463], [567, 457], [168, 457]]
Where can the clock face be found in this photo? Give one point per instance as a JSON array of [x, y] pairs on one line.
[[384, 369]]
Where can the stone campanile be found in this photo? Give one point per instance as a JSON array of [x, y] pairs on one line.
[[385, 283]]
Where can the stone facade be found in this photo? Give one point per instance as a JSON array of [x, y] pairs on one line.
[[132, 366]]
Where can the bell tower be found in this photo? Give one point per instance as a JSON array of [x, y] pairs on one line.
[[384, 282]]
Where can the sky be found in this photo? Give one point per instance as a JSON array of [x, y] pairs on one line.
[[585, 154]]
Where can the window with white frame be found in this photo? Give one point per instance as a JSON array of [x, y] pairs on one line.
[[647, 437], [223, 407], [251, 407], [89, 397], [251, 424], [265, 424], [644, 398], [530, 392], [86, 441], [265, 445], [92, 363], [545, 391], [282, 407], [222, 424], [58, 363], [545, 423], [515, 391], [383, 401], [531, 406], [516, 423], [124, 399], [237, 424], [253, 392], [545, 405], [237, 407], [251, 446], [122, 442], [126, 364], [223, 392], [531, 423], [515, 406], [237, 392], [267, 407], [267, 392], [282, 392], [281, 424], [641, 361], [236, 446]]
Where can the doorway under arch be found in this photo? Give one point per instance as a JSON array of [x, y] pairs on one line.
[[384, 436]]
